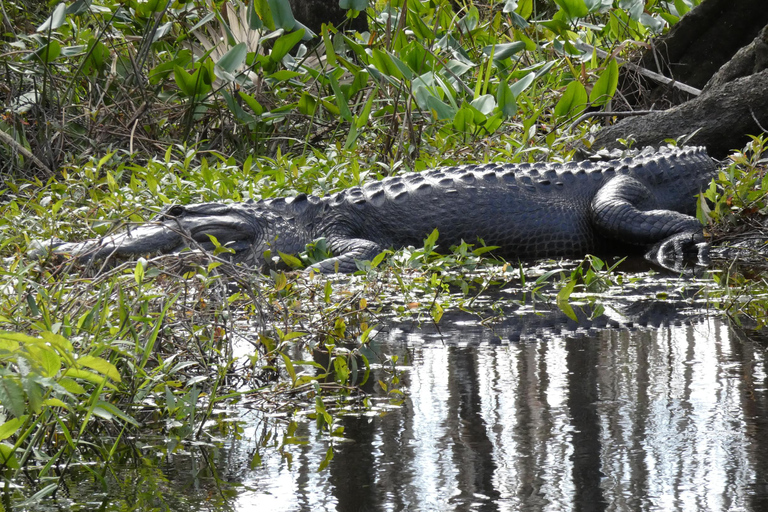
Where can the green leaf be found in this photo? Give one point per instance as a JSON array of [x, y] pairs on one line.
[[431, 240], [252, 15], [102, 366], [46, 359], [562, 300], [7, 456], [12, 396], [307, 104], [252, 103], [523, 83], [506, 100], [233, 59], [442, 110], [682, 7], [282, 15], [11, 426], [605, 87], [484, 104], [55, 20], [290, 260], [357, 5], [502, 51], [385, 63], [462, 121], [284, 44], [112, 410], [289, 368], [48, 52], [341, 99], [573, 102], [573, 8]]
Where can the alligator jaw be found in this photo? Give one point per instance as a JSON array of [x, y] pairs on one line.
[[188, 228]]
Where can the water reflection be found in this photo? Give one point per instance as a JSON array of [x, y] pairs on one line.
[[667, 418], [659, 419]]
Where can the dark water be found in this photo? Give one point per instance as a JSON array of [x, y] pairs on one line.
[[562, 417], [667, 418]]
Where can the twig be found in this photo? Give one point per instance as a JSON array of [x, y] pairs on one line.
[[628, 113], [24, 151], [754, 118], [641, 70]]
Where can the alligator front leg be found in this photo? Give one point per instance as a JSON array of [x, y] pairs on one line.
[[623, 210], [349, 251]]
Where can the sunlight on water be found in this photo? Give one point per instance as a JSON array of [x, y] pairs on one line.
[[657, 420]]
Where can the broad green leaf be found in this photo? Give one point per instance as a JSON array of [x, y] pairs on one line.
[[573, 8], [12, 396], [46, 358], [485, 104], [252, 103], [307, 104], [102, 366], [562, 300], [290, 260], [358, 5], [55, 402], [48, 52], [502, 51], [462, 122], [573, 102], [605, 86], [184, 81], [284, 44], [8, 457], [138, 273], [11, 426], [682, 7], [506, 100], [384, 63], [441, 110], [233, 59], [523, 83], [341, 99], [55, 20], [254, 21], [282, 15], [59, 342], [72, 386]]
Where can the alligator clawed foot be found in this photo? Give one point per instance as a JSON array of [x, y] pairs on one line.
[[676, 252]]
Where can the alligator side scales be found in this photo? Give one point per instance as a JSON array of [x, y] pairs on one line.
[[645, 202]]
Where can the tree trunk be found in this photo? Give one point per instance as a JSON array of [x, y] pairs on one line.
[[720, 119], [722, 47], [313, 13]]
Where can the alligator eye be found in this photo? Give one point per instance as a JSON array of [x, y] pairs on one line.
[[175, 211]]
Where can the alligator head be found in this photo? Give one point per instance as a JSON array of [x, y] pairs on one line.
[[248, 229]]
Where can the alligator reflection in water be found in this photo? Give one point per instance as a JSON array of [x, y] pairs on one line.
[[657, 419]]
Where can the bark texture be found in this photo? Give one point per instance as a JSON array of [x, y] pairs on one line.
[[705, 39], [720, 119], [720, 47]]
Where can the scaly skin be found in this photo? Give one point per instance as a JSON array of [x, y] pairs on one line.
[[646, 202]]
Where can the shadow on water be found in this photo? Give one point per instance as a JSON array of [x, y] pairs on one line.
[[663, 409]]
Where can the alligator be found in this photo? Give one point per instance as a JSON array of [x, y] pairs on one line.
[[526, 211]]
